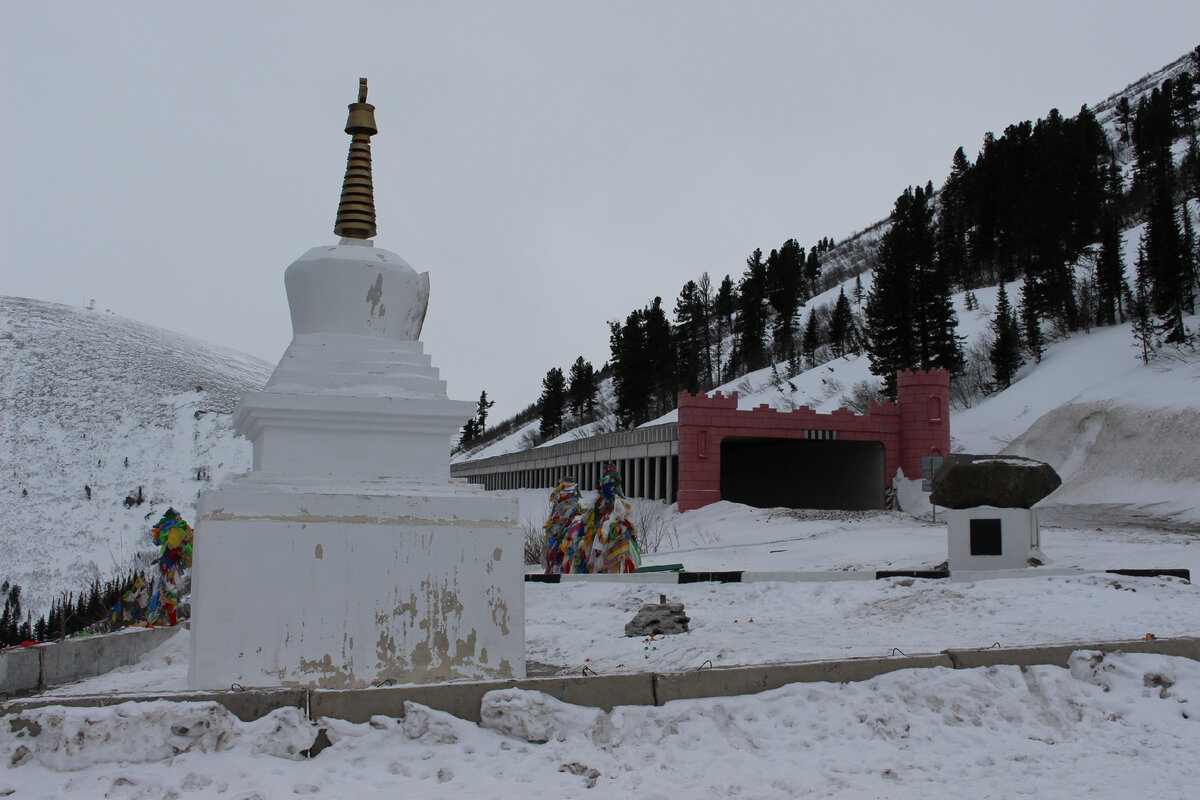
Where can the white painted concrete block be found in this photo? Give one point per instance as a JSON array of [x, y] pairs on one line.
[[348, 589], [989, 538]]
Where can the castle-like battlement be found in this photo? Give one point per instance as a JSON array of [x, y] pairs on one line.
[[915, 426]]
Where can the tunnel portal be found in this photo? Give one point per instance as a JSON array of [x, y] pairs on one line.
[[802, 473]]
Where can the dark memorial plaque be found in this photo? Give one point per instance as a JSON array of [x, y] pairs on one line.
[[985, 538]]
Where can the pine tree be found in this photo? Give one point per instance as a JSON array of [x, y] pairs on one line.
[[1153, 135], [475, 426], [552, 402], [1031, 322], [703, 316], [954, 219], [582, 390], [1005, 352], [1144, 333], [910, 318], [751, 314], [941, 346], [812, 270], [631, 381], [723, 308], [470, 432], [1183, 100], [811, 340], [891, 306], [1191, 267], [858, 290], [841, 325], [660, 359], [785, 273], [1110, 264], [643, 365], [687, 339], [1163, 264], [1124, 115], [1110, 273], [481, 411], [9, 618]]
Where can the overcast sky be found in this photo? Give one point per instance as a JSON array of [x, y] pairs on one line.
[[552, 165]]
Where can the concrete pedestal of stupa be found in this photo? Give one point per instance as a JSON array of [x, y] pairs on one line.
[[347, 556]]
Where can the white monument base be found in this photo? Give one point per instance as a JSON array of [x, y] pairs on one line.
[[311, 583], [990, 538]]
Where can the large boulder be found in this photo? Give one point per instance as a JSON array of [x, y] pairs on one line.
[[966, 481]]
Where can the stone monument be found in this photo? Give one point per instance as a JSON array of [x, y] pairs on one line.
[[347, 557], [991, 523]]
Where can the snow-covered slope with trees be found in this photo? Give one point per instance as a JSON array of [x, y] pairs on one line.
[[1083, 400], [93, 409]]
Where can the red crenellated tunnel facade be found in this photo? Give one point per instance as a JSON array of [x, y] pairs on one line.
[[836, 460]]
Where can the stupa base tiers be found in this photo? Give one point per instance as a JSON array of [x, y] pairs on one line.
[[341, 436], [347, 590]]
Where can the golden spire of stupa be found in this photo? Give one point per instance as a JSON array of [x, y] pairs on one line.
[[356, 211]]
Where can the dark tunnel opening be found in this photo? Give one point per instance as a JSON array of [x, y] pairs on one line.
[[803, 473]]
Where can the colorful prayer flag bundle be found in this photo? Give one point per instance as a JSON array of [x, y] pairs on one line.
[[599, 540]]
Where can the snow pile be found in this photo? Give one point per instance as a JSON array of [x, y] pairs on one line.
[[1114, 725], [538, 718], [92, 408], [73, 738]]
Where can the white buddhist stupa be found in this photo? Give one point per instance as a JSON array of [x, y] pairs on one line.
[[347, 557]]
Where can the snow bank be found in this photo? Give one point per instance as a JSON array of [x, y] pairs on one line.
[[1147, 458], [1112, 724], [73, 738]]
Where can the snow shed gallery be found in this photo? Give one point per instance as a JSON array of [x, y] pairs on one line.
[[761, 457]]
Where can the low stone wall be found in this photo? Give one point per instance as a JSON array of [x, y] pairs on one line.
[[44, 666]]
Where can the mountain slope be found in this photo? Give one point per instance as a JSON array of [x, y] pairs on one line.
[[94, 401], [856, 255]]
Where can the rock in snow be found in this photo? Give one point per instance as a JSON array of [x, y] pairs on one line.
[[658, 619], [966, 481]]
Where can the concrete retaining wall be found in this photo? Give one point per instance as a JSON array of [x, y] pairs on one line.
[[1057, 655], [247, 705], [464, 699], [45, 666], [20, 670], [730, 681], [607, 691]]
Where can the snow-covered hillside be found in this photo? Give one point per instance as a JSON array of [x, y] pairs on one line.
[[1118, 431], [92, 402], [831, 385]]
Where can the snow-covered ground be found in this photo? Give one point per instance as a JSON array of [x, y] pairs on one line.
[[1101, 728], [1120, 433], [1110, 726]]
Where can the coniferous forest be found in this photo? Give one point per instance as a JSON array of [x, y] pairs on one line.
[[1045, 203]]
